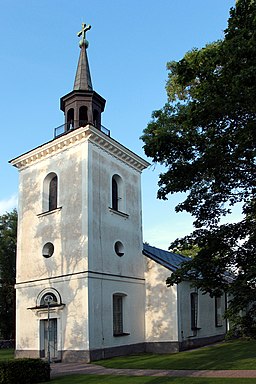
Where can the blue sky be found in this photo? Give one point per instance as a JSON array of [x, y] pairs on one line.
[[130, 44]]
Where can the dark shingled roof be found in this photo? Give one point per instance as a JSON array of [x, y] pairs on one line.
[[168, 259], [83, 79]]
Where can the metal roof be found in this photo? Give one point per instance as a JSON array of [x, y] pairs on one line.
[[168, 259], [83, 79]]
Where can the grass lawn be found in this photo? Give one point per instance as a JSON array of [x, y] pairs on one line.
[[227, 355], [102, 379], [6, 354]]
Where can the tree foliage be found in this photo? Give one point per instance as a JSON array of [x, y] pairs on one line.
[[185, 249], [205, 135], [8, 241]]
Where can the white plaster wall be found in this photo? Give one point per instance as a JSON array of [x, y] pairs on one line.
[[26, 326], [72, 319], [106, 227], [161, 305], [83, 231], [101, 290], [64, 227], [121, 274], [206, 314], [67, 229]]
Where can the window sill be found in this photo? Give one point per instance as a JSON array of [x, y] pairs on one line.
[[43, 307], [43, 311], [121, 334], [49, 212], [119, 213], [195, 328]]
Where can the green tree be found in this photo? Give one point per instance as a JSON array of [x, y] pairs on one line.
[[206, 137], [186, 249], [8, 241]]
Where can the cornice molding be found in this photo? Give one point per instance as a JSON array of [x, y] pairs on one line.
[[75, 137]]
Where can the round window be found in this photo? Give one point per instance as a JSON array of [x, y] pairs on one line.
[[119, 248], [48, 250]]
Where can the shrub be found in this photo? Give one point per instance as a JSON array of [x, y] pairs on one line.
[[24, 371]]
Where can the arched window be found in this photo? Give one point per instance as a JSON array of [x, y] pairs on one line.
[[42, 299], [70, 119], [218, 312], [117, 194], [53, 190], [118, 314], [83, 116], [194, 310], [96, 121], [114, 194], [50, 192]]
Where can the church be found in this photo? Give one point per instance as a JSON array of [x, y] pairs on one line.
[[87, 288]]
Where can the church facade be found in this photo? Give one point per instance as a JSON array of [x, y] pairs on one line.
[[86, 286]]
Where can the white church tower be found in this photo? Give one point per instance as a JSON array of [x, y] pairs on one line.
[[80, 271]]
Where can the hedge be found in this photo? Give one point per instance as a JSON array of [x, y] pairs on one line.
[[6, 344], [24, 371]]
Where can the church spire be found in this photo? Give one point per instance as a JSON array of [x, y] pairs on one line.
[[83, 77], [82, 106]]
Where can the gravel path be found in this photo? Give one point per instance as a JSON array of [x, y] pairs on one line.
[[62, 369]]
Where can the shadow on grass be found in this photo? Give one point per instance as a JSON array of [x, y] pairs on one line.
[[228, 355], [106, 379]]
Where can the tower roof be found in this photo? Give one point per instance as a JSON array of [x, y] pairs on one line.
[[82, 105], [83, 80]]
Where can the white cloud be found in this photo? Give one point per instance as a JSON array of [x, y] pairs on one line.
[[7, 205]]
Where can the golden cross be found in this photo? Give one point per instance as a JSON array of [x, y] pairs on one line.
[[83, 31]]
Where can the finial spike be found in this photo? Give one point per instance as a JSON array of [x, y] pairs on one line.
[[83, 77]]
